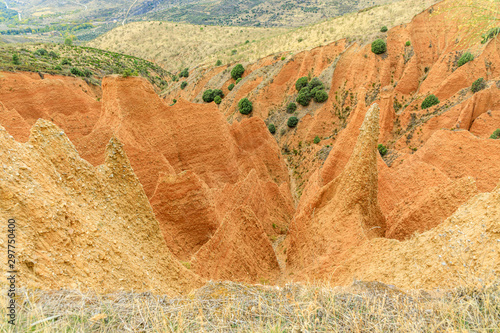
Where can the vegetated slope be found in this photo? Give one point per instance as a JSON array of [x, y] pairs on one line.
[[183, 45], [79, 226], [90, 63], [274, 13]]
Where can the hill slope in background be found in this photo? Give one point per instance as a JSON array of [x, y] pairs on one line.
[[176, 46]]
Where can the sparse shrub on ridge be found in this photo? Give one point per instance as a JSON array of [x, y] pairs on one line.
[[245, 106], [408, 43], [184, 73], [237, 71], [218, 63], [478, 85], [429, 101], [183, 85], [317, 140], [271, 128], [383, 29], [77, 72], [496, 134], [465, 58], [292, 122], [379, 46], [291, 107], [230, 87], [128, 72], [382, 149]]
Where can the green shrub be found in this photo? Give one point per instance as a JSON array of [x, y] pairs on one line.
[[41, 52], [292, 122], [174, 101], [230, 87], [218, 63], [317, 140], [66, 62], [183, 85], [237, 71], [316, 83], [291, 107], [15, 59], [301, 83], [238, 81], [245, 106], [283, 58], [379, 46], [429, 101], [53, 55], [320, 96], [382, 149], [68, 41], [217, 100], [272, 128], [490, 34], [77, 72], [208, 96], [383, 29], [496, 134], [218, 92], [408, 43], [184, 73], [478, 85], [304, 97], [129, 72], [465, 58], [58, 68]]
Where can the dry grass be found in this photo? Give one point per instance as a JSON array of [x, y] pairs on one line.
[[233, 307], [176, 45]]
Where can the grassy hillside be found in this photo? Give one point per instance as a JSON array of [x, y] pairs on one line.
[[91, 64], [183, 45]]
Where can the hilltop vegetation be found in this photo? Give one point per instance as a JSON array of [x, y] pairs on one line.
[[85, 62], [183, 45]]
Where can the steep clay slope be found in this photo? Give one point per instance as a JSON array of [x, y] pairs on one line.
[[79, 226]]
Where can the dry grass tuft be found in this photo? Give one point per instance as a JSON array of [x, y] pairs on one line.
[[234, 307]]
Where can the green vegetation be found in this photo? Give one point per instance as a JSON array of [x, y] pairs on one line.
[[68, 41], [291, 107], [237, 71], [301, 83], [230, 87], [382, 149], [492, 33], [478, 85], [272, 128], [320, 96], [129, 72], [379, 46], [41, 52], [209, 95], [245, 106], [429, 101], [218, 63], [15, 59], [184, 73], [317, 140], [496, 134], [292, 122], [408, 43], [465, 58], [217, 99], [238, 81], [383, 29], [313, 89], [184, 85]]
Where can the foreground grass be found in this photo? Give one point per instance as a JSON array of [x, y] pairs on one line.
[[233, 307]]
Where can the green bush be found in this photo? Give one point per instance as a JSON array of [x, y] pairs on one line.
[[183, 85], [245, 106], [77, 72], [496, 134], [301, 83], [379, 46], [218, 63], [429, 101], [465, 58], [218, 92], [292, 122], [66, 62], [408, 43], [291, 107], [382, 149], [58, 68], [184, 73], [15, 59], [383, 29], [490, 34], [237, 71], [230, 87], [208, 96], [272, 128], [129, 72], [304, 97], [68, 41], [53, 55], [478, 85], [317, 140], [217, 100], [41, 52], [238, 81], [320, 96], [316, 83]]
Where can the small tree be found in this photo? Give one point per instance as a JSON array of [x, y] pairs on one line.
[[218, 63], [184, 73], [292, 122], [317, 140], [316, 83], [304, 97], [66, 61], [301, 83], [76, 71], [230, 87], [465, 58], [245, 106], [272, 128], [408, 43], [478, 85], [15, 59], [183, 85], [291, 107], [237, 71], [320, 96], [379, 46], [41, 52], [383, 29], [208, 96], [382, 149], [429, 101], [217, 100], [496, 134]]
